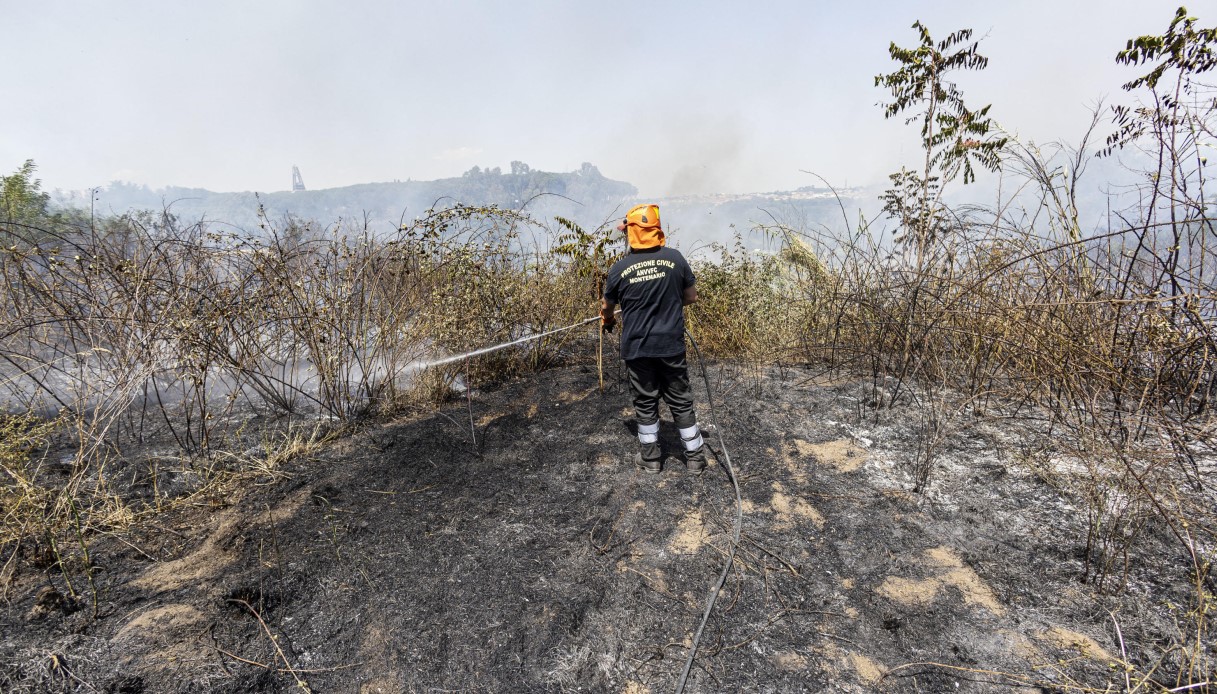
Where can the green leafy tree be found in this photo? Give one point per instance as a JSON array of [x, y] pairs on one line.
[[590, 254], [1182, 47], [956, 139], [22, 201], [1178, 104], [1174, 121]]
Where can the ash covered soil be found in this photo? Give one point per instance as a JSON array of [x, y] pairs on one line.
[[407, 557]]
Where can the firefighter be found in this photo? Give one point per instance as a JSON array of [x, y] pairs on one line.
[[653, 284]]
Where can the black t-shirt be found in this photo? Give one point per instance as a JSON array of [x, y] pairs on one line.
[[650, 285]]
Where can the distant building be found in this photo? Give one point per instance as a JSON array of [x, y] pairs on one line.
[[297, 179]]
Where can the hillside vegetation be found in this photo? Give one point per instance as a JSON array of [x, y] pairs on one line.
[[247, 349], [583, 194]]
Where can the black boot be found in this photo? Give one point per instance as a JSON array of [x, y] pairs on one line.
[[650, 460], [696, 460]]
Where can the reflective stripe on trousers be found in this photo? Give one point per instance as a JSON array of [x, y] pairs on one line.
[[691, 436], [648, 433]]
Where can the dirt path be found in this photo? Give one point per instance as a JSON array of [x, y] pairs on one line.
[[407, 558]]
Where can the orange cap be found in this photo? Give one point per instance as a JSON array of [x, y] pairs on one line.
[[642, 226]]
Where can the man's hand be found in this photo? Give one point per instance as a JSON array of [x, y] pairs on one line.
[[607, 319]]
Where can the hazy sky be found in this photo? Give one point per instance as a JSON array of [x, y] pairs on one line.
[[675, 97]]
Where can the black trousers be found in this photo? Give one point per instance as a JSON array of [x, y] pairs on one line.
[[652, 378]]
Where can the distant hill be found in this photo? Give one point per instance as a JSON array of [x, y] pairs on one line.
[[583, 195]]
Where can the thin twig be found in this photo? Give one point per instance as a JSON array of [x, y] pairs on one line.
[[274, 642], [58, 664], [790, 567], [758, 632], [274, 668], [1123, 652], [649, 581]]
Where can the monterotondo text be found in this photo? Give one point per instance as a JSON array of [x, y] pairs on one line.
[[646, 270]]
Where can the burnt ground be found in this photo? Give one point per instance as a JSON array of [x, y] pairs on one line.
[[406, 557]]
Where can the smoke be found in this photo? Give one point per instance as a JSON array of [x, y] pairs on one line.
[[668, 153], [705, 156]]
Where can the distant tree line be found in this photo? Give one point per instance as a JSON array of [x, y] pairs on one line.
[[583, 194]]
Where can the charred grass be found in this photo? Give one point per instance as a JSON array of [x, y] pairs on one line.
[[971, 469]]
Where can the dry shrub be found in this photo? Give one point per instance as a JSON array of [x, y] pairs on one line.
[[22, 497], [1107, 340], [740, 312], [140, 328]]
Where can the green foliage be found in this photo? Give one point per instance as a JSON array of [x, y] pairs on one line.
[[953, 136], [1187, 51], [1182, 47], [22, 201], [911, 201], [590, 254], [740, 310]]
